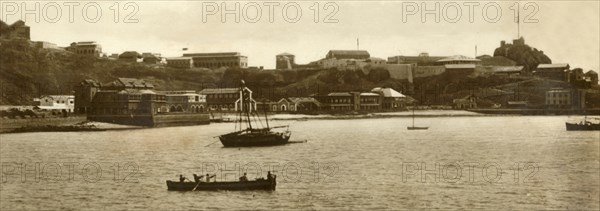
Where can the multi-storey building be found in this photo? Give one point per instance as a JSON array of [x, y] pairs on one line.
[[228, 99], [218, 60], [180, 62], [89, 48]]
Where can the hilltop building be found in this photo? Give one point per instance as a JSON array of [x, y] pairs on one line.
[[218, 60], [180, 62], [423, 59], [17, 30], [151, 58], [592, 77], [458, 59], [284, 61], [348, 54], [130, 56], [46, 45], [347, 60], [89, 48]]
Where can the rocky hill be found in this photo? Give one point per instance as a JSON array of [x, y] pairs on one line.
[[522, 54]]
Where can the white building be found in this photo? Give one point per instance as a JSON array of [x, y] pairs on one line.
[[558, 98], [57, 103]]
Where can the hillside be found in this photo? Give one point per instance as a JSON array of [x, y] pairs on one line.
[[27, 72]]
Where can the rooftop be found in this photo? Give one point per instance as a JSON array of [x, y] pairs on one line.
[[129, 54], [460, 66], [551, 66], [221, 54], [500, 69], [348, 53], [180, 58], [130, 83], [458, 58], [219, 91], [339, 94], [387, 92]]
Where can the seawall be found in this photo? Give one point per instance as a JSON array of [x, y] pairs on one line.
[[7, 125]]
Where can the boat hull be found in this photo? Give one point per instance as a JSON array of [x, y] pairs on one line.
[[254, 139], [268, 185], [575, 126]]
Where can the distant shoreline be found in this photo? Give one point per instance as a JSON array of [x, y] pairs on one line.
[[59, 124]]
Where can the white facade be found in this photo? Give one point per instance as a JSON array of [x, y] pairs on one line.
[[57, 102]]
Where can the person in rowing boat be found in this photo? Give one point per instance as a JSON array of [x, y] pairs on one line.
[[197, 178], [244, 178], [269, 176], [181, 178], [208, 177]]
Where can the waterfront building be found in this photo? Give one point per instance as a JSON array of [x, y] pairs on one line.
[[128, 102], [263, 105], [284, 105], [340, 101], [370, 101], [88, 48], [84, 94], [468, 102], [553, 71], [187, 101], [134, 102], [392, 99], [180, 62], [218, 60], [227, 99], [305, 103], [59, 103], [558, 98]]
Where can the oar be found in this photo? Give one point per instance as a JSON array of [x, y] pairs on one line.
[[197, 185]]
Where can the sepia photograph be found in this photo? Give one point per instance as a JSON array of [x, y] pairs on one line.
[[299, 105]]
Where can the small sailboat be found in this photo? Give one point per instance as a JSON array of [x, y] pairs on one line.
[[413, 127], [253, 136]]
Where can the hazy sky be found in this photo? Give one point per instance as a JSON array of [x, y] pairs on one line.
[[567, 31]]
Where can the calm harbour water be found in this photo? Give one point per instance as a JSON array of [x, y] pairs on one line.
[[346, 164]]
